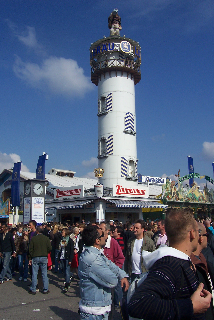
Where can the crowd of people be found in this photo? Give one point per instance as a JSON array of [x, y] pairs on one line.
[[170, 261]]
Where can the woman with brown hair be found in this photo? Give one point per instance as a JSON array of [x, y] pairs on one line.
[[66, 255]]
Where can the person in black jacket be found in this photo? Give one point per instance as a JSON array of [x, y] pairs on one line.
[[171, 289], [66, 255], [7, 248], [56, 238]]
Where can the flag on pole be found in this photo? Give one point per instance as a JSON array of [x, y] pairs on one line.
[[191, 170], [15, 186], [213, 168], [40, 170]]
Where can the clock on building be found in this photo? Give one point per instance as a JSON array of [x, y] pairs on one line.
[[38, 189]]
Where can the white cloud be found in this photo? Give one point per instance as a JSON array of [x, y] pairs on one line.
[[208, 151], [91, 162], [59, 75], [186, 16], [29, 38], [89, 175], [7, 161]]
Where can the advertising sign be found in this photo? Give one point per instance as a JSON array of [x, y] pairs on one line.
[[38, 206], [119, 190], [69, 192], [4, 208], [156, 180], [98, 190], [26, 213]]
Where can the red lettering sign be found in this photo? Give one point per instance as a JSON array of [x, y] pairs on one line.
[[125, 191], [67, 193]]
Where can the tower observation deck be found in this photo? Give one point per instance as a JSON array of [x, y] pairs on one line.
[[115, 68]]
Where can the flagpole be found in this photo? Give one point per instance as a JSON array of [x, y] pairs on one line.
[[17, 215]]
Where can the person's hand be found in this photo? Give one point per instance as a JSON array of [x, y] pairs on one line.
[[30, 262], [14, 254], [201, 299], [1, 254], [125, 284], [69, 263]]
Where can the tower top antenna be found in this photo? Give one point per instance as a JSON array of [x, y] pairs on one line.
[[114, 23]]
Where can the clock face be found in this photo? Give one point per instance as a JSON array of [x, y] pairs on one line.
[[38, 189], [27, 189]]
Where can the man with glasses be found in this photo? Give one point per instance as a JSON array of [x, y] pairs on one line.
[[97, 276], [171, 289], [202, 269]]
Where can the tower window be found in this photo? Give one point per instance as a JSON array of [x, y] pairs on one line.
[[131, 169], [102, 148], [105, 104], [102, 105]]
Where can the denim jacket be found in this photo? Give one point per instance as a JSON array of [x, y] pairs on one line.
[[97, 276]]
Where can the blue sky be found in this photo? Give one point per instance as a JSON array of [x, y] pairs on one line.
[[48, 102]]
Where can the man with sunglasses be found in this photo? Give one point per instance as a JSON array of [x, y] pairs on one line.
[[201, 266], [97, 276]]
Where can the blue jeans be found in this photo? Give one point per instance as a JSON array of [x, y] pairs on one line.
[[23, 270], [118, 294], [56, 260], [6, 271], [66, 270], [89, 316], [39, 262]]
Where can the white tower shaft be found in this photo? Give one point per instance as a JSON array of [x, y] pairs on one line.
[[117, 149], [115, 69]]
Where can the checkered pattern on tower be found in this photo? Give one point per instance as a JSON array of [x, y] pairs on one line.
[[136, 169], [124, 163], [109, 144], [129, 121], [109, 102]]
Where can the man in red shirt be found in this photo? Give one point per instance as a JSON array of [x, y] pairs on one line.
[[117, 234]]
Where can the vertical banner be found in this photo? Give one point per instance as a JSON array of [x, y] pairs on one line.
[[15, 185], [26, 212], [213, 169], [191, 170], [40, 170]]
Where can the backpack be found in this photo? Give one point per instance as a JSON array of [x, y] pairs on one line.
[[131, 291], [136, 283]]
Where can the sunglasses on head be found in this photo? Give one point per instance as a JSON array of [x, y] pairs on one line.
[[203, 235]]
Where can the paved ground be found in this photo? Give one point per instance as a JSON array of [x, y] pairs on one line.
[[16, 303]]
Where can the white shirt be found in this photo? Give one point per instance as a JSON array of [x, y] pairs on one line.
[[136, 256]]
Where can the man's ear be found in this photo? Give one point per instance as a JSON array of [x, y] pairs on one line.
[[97, 241], [200, 240], [192, 234]]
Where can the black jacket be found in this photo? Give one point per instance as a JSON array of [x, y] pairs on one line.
[[165, 293], [7, 245], [69, 251]]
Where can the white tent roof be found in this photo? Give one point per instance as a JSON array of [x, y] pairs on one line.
[[57, 181]]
